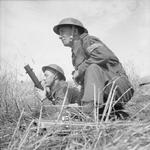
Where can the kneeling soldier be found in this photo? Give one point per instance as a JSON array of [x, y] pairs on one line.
[[95, 66]]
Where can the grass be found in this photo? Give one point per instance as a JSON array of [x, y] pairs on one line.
[[20, 130]]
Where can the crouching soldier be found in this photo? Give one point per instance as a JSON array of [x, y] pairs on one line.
[[55, 87], [95, 66]]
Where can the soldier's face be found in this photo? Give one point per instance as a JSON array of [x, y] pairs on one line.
[[66, 35], [48, 77]]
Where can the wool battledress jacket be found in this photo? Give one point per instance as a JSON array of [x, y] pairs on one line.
[[57, 94], [89, 50]]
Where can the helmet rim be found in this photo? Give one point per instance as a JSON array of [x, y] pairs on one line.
[[69, 22], [49, 67]]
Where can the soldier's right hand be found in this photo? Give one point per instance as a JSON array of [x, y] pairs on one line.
[[40, 94]]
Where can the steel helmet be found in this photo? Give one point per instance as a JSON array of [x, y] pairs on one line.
[[72, 22], [55, 68]]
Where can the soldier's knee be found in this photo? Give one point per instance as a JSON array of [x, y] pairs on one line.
[[94, 70]]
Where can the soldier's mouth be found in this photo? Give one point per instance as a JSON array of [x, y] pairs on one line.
[[64, 41]]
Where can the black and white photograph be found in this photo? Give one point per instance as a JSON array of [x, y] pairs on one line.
[[74, 75]]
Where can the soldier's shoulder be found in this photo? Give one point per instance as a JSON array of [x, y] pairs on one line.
[[89, 40]]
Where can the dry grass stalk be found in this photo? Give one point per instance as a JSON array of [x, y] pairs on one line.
[[121, 96], [13, 145], [15, 131], [141, 129], [110, 104], [140, 111], [97, 139], [39, 120], [108, 101], [95, 104], [25, 135], [98, 104], [79, 112], [39, 142], [17, 105], [64, 101]]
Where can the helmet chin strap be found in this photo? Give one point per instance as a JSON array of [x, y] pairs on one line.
[[72, 33]]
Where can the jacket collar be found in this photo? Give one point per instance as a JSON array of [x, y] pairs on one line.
[[59, 85], [83, 35], [77, 43]]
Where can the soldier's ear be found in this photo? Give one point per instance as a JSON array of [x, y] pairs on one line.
[[76, 31]]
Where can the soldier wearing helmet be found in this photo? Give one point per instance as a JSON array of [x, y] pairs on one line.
[[96, 66], [55, 87]]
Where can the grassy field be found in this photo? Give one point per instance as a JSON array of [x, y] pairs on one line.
[[27, 125]]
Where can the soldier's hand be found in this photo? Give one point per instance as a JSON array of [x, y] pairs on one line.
[[75, 77], [43, 83], [75, 74], [40, 94]]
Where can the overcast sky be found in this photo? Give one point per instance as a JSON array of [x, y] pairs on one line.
[[26, 31]]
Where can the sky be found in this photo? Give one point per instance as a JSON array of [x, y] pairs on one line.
[[27, 37]]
